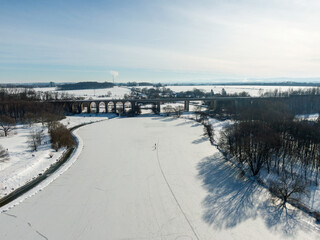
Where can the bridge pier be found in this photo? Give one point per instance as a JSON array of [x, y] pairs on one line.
[[106, 106], [79, 108], [97, 107], [212, 106], [133, 107], [186, 106], [158, 107], [114, 107], [89, 107]]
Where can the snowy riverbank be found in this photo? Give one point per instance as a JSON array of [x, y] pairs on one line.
[[23, 165]]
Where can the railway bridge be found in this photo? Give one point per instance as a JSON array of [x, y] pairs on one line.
[[298, 103], [126, 105]]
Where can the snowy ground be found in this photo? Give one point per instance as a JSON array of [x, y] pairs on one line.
[[24, 164], [252, 90], [310, 117], [121, 187], [119, 92], [115, 92]]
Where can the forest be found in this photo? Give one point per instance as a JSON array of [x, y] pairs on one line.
[[268, 140], [23, 105], [85, 85]]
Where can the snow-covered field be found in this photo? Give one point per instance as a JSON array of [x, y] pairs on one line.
[[310, 117], [119, 92], [122, 187], [106, 93], [23, 164], [252, 90]]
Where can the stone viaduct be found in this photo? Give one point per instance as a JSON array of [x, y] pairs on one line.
[[306, 103], [125, 105]]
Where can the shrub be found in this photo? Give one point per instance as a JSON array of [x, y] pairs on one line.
[[208, 132], [60, 136]]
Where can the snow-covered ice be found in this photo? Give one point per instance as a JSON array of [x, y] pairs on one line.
[[121, 187]]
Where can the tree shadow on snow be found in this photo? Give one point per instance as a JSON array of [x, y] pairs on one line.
[[200, 140], [162, 118], [168, 119], [279, 218], [186, 122], [233, 199]]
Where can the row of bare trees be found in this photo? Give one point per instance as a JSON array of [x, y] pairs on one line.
[[29, 94], [24, 111], [292, 92], [301, 101], [26, 105]]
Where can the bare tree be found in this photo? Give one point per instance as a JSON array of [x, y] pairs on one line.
[[178, 111], [39, 136], [168, 110], [4, 155], [197, 112], [287, 188], [7, 124], [33, 140]]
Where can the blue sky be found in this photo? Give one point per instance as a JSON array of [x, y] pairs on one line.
[[159, 41]]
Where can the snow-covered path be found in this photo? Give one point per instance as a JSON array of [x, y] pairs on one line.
[[121, 187]]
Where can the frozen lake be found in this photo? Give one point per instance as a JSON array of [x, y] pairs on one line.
[[121, 187]]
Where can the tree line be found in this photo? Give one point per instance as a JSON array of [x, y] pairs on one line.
[[163, 92], [85, 85], [26, 105]]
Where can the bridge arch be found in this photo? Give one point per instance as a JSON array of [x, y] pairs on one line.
[[75, 108], [101, 106], [127, 106], [93, 107], [119, 107], [84, 107], [111, 107]]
